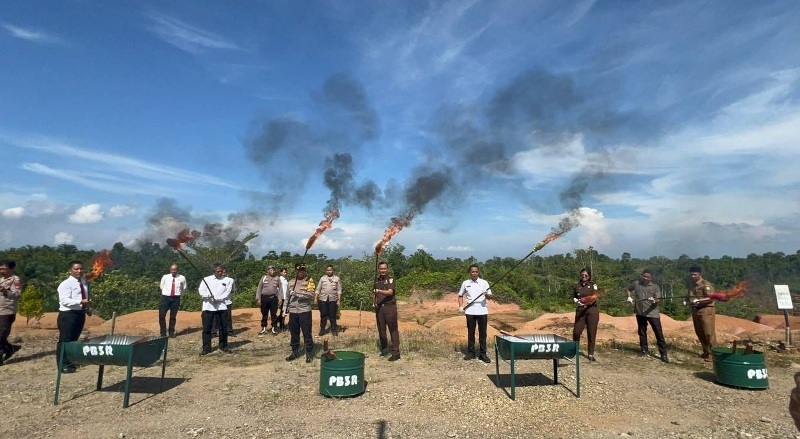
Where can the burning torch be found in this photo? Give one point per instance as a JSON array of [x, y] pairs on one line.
[[564, 226], [176, 243], [398, 224], [100, 262]]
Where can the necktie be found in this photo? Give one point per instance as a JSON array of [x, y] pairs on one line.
[[83, 294], [172, 293]]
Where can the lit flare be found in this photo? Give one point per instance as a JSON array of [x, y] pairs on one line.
[[324, 225], [100, 262], [737, 291], [398, 224], [183, 237]]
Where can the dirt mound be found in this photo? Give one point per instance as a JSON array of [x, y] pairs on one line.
[[50, 321], [777, 321]]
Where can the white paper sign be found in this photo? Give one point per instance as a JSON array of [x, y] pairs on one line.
[[783, 296]]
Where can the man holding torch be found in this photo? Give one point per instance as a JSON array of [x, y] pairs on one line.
[[386, 312], [301, 295], [645, 295], [215, 290], [476, 291], [73, 303], [703, 311]]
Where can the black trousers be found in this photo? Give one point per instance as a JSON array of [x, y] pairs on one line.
[[209, 318], [327, 310], [229, 322], [481, 321], [70, 325], [5, 331], [655, 323], [301, 322], [586, 317], [269, 308], [168, 303], [386, 317]]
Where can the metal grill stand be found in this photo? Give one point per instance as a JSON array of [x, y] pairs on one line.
[[535, 347], [118, 350]]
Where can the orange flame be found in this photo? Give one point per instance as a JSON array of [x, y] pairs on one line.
[[324, 225], [398, 224], [737, 291], [565, 225], [183, 237], [100, 262]]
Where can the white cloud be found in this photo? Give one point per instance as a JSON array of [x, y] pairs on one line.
[[87, 214], [32, 35], [14, 212], [187, 37], [458, 248], [120, 210], [63, 238]]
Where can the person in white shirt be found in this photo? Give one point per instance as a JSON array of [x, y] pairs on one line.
[[215, 290], [73, 302], [172, 285], [283, 304], [476, 291]]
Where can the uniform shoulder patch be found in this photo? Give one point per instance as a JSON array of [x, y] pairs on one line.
[[391, 280]]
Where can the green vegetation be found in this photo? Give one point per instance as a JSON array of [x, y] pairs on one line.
[[540, 284]]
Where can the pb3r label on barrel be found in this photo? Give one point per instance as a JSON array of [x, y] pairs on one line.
[[343, 381], [96, 351], [757, 374], [544, 348]]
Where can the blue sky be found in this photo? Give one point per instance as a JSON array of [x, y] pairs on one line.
[[663, 128]]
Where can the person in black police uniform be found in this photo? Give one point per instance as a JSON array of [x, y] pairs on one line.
[[386, 312], [73, 303], [587, 314], [301, 294]]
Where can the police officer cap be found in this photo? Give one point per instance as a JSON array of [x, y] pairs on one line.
[[695, 269], [299, 267], [271, 267]]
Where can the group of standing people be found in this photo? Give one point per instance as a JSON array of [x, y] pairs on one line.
[[645, 295]]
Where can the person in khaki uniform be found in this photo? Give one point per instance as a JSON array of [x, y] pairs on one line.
[[328, 296], [703, 311], [300, 296]]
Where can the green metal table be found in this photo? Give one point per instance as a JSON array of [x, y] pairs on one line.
[[535, 347], [118, 350]]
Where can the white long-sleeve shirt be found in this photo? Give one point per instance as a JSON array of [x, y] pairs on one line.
[[166, 284], [69, 294], [214, 300]]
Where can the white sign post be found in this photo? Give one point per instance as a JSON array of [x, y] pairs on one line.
[[785, 303]]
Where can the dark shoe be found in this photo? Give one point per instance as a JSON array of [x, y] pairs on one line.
[[321, 333], [592, 358], [293, 356], [484, 358], [9, 354], [163, 334], [394, 357], [665, 358], [68, 369], [335, 332], [309, 358], [226, 350], [708, 359], [384, 352], [204, 353], [214, 334], [469, 356], [644, 354], [172, 335]]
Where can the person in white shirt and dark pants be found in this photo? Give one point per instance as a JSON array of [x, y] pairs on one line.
[[476, 291], [172, 285], [73, 301], [215, 290]]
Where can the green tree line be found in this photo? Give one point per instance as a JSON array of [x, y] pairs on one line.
[[540, 283]]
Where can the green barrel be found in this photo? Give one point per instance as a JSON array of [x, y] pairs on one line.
[[739, 369], [342, 376]]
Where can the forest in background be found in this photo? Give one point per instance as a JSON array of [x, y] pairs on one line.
[[539, 284]]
